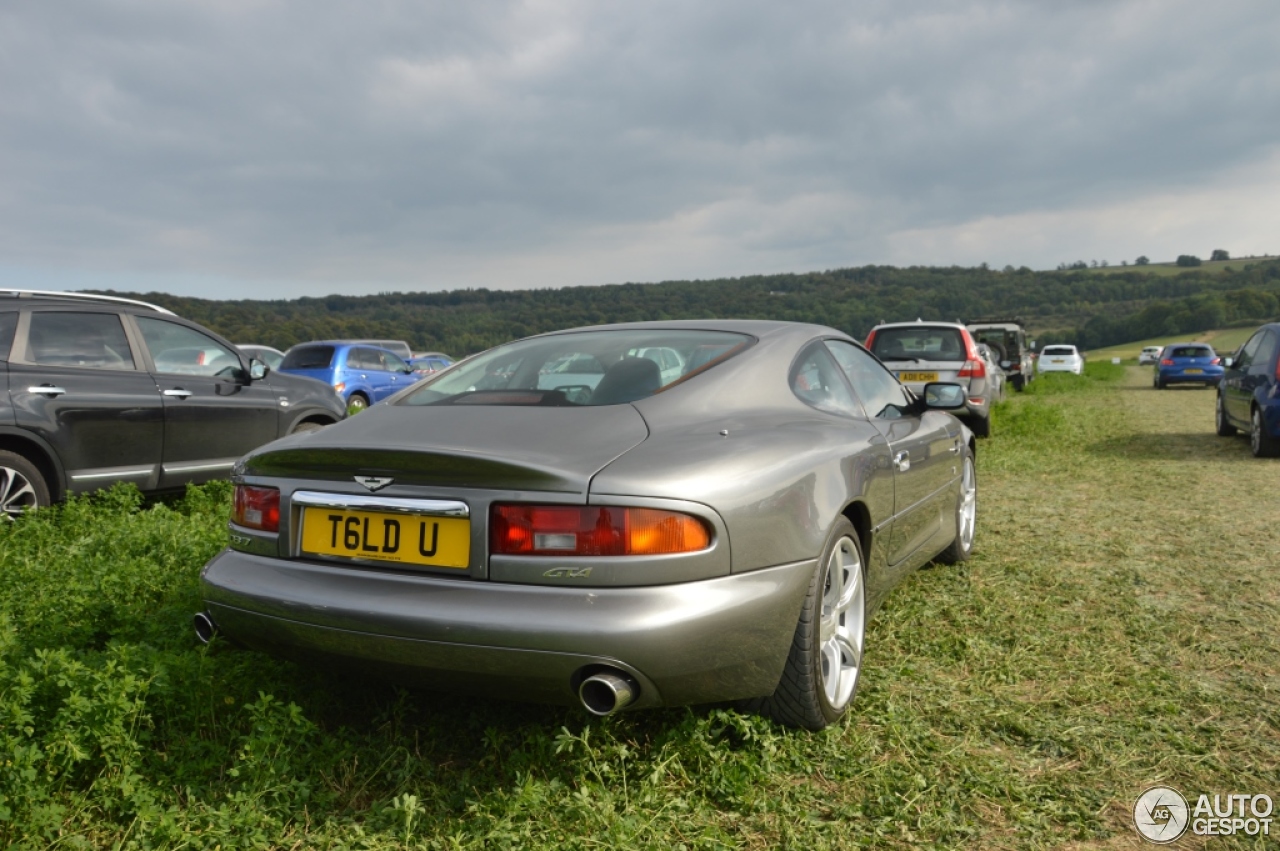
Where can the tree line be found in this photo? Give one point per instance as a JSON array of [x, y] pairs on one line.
[[1081, 306]]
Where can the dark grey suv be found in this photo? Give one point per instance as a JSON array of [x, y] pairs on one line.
[[99, 390]]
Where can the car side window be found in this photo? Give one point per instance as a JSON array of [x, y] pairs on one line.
[[91, 340], [882, 395], [394, 363], [178, 349], [8, 322], [1249, 350], [816, 380], [1265, 356]]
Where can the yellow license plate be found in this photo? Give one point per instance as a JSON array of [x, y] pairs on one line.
[[1193, 371], [917, 376], [1055, 360], [384, 536]]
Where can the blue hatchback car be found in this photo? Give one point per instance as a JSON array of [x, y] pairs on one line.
[[1249, 395], [362, 374], [1187, 363]]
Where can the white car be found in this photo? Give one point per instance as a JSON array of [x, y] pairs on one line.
[[1149, 355], [1060, 359]]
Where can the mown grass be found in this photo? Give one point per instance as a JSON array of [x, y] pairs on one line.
[[1224, 341], [1117, 627]]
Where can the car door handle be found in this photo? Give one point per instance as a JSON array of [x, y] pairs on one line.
[[47, 390], [955, 448], [902, 461], [178, 393]]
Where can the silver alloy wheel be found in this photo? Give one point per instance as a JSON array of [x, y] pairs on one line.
[[842, 626], [16, 493], [967, 512]]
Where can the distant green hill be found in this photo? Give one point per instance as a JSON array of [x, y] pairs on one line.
[[1092, 307]]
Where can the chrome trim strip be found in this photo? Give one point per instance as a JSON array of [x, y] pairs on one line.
[[202, 467], [396, 505], [113, 473]]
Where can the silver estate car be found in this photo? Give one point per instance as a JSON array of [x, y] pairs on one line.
[[920, 352], [566, 519]]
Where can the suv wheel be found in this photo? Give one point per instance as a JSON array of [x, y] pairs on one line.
[[22, 485]]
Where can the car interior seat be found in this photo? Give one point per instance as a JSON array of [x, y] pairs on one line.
[[627, 380]]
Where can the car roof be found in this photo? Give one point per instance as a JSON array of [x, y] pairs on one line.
[[921, 323], [82, 299]]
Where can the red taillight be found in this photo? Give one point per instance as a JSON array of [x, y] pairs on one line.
[[973, 365], [1166, 362], [257, 508], [1215, 362], [569, 530], [871, 338]]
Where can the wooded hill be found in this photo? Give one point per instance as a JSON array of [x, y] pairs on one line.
[[1090, 307]]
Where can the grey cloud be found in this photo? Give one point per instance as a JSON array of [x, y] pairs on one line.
[[355, 145]]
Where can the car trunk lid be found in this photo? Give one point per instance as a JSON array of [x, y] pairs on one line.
[[496, 447]]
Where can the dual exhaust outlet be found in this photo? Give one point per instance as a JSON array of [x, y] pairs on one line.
[[603, 693]]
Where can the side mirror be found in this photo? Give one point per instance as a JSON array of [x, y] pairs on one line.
[[257, 369], [944, 396], [1228, 361]]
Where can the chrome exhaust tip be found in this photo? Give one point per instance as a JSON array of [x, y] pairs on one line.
[[607, 692], [206, 629]]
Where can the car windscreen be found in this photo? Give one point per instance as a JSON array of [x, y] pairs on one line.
[[1058, 351], [580, 368], [923, 343], [1190, 352], [308, 357]]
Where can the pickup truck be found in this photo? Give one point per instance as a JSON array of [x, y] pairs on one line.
[[1008, 340]]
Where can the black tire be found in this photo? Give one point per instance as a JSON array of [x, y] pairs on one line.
[[804, 697], [1262, 444], [961, 546], [1160, 385], [1018, 383], [22, 485], [1224, 426], [980, 426], [303, 428], [357, 403]]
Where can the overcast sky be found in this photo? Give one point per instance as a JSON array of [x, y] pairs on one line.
[[280, 148]]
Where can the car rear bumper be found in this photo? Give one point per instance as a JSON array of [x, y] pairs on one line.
[[1182, 378], [695, 642]]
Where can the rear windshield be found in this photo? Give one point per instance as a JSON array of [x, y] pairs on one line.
[[1190, 352], [1059, 350], [927, 343], [308, 357], [580, 368]]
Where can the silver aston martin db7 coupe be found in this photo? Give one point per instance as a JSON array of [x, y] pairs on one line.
[[638, 515]]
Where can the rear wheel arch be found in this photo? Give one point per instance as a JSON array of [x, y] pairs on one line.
[[41, 458], [858, 514]]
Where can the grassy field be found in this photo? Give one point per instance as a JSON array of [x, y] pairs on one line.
[[1224, 342], [1167, 269], [1118, 627]]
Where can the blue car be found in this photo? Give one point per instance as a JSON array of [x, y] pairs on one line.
[[1187, 363], [362, 374], [1248, 395]]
